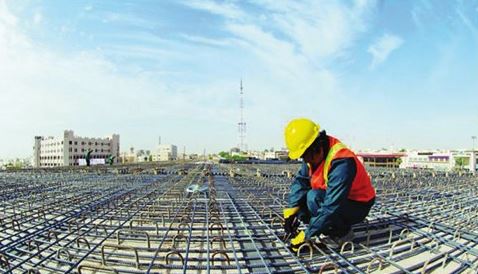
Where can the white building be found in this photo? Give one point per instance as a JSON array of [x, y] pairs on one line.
[[70, 150], [440, 160], [256, 154], [443, 161], [276, 155], [166, 153], [269, 155]]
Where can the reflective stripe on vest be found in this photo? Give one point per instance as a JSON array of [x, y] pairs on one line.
[[361, 189], [330, 156]]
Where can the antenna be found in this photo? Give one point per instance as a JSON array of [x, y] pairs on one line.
[[242, 123]]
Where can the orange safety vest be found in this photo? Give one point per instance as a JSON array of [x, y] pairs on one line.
[[361, 190]]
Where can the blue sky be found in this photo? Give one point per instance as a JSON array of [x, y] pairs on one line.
[[373, 73]]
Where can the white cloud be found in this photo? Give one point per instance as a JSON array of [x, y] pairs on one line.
[[207, 41], [382, 47], [280, 56], [43, 92], [320, 29], [291, 47], [468, 23], [37, 18], [226, 9], [121, 18], [297, 39], [287, 80], [6, 17]]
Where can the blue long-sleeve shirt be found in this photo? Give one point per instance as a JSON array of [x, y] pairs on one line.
[[340, 178]]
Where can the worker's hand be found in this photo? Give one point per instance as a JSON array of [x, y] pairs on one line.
[[297, 241], [291, 222]]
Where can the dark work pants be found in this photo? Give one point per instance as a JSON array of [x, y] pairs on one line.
[[349, 213]]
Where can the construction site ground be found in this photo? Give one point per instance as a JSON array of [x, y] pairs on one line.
[[225, 218]]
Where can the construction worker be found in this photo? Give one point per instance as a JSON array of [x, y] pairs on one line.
[[332, 190]]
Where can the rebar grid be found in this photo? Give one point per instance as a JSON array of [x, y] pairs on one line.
[[72, 222]]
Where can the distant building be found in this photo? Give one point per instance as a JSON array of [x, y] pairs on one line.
[[465, 159], [282, 154], [269, 155], [255, 154], [128, 157], [70, 150], [441, 160], [276, 155], [166, 153], [436, 160], [381, 159]]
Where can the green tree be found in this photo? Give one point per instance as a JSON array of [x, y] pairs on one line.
[[399, 161], [238, 158], [224, 154], [88, 157], [460, 162]]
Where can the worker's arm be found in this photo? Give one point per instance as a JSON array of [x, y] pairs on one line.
[[299, 188], [296, 207], [341, 176]]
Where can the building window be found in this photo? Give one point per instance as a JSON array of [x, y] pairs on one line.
[[76, 143], [70, 142]]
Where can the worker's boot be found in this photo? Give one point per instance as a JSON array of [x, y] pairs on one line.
[[346, 238], [328, 241], [335, 241]]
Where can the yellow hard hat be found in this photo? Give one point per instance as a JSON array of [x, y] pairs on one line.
[[299, 135]]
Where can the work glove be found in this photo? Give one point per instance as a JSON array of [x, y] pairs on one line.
[[297, 241], [291, 222]]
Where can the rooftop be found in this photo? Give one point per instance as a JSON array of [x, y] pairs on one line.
[[140, 218]]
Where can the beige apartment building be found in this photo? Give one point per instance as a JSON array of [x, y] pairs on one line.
[[166, 153], [70, 150]]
